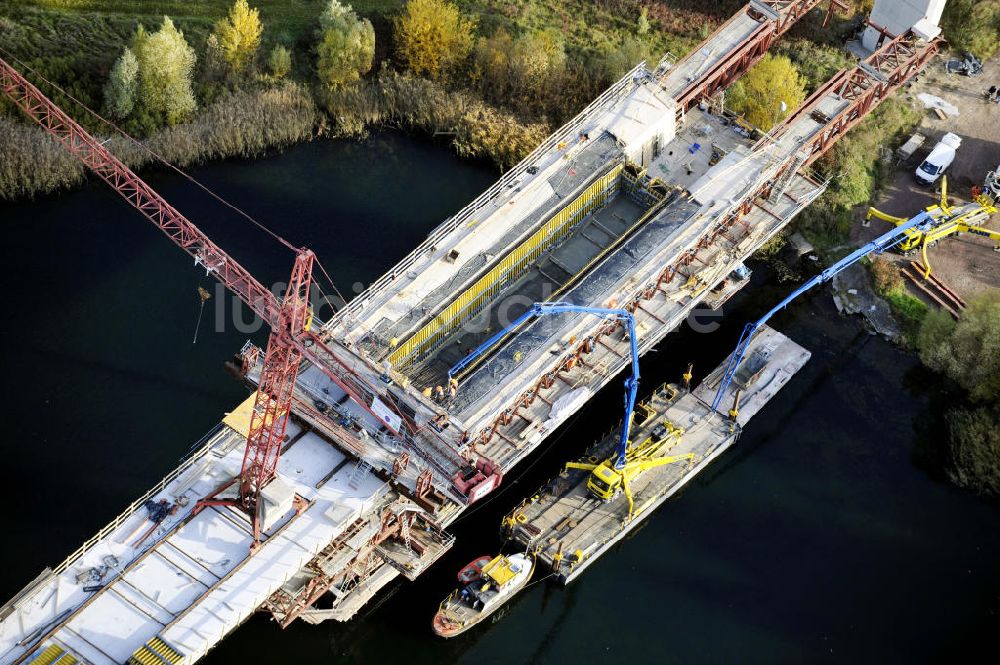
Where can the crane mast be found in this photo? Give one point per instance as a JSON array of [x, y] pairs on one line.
[[290, 340]]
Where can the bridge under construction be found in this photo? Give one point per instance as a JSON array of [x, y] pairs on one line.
[[358, 448]]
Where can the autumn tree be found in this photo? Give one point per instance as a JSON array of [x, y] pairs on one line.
[[120, 91], [974, 438], [279, 62], [239, 35], [967, 351], [518, 70], [166, 62], [433, 37], [619, 58], [347, 45], [768, 92], [973, 25], [642, 27]]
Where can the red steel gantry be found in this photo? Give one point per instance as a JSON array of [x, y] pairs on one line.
[[290, 341], [776, 17]]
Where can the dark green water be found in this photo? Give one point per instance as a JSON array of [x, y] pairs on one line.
[[824, 536]]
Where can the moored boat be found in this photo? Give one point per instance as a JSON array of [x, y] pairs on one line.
[[486, 584]]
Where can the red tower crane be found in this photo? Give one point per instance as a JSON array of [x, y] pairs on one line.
[[290, 341]]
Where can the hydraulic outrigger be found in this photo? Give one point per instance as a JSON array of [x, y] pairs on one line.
[[948, 220]]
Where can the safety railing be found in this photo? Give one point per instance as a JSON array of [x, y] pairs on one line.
[[473, 299], [565, 132], [209, 439]]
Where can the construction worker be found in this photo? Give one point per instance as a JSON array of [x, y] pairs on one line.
[[439, 393]]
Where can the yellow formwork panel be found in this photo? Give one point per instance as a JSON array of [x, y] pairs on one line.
[[164, 650], [49, 655], [470, 301], [143, 656], [239, 418]]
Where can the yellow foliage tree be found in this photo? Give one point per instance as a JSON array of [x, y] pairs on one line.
[[768, 92], [433, 36], [239, 34], [166, 62], [347, 45]]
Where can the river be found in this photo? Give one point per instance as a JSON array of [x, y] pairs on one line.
[[826, 535]]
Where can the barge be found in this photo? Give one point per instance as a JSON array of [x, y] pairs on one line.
[[568, 527]]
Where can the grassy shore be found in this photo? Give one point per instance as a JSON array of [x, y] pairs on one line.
[[74, 43]]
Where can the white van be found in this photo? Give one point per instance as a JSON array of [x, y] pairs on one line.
[[940, 158]]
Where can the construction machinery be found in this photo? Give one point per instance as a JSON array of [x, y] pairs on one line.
[[567, 529], [585, 216], [540, 309], [947, 220], [614, 475], [921, 223], [290, 317]]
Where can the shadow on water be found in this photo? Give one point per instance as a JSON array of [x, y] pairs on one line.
[[826, 534]]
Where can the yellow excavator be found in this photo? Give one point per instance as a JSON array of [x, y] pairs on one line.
[[611, 476], [948, 220]]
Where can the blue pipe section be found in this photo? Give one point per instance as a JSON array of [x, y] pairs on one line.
[[540, 309], [882, 243]]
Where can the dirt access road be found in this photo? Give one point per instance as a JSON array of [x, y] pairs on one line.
[[966, 262]]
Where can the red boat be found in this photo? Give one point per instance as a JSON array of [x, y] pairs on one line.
[[474, 570]]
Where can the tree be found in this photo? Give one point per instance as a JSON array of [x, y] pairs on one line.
[[967, 351], [537, 57], [165, 62], [518, 71], [433, 37], [492, 64], [239, 35], [643, 25], [120, 92], [973, 25], [279, 62], [617, 59], [886, 276], [347, 45], [974, 437], [768, 92]]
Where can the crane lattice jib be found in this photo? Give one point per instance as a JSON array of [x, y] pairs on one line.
[[290, 341], [123, 180]]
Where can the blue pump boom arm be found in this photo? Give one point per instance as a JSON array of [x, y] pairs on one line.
[[540, 309], [878, 245]]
